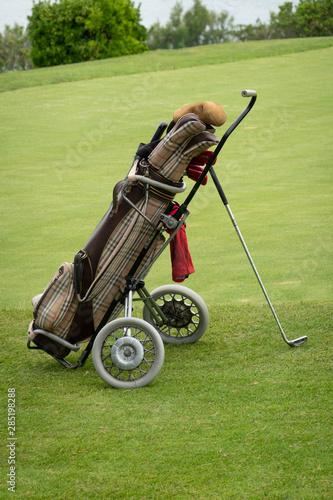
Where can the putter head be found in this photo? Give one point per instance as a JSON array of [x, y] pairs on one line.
[[298, 342]]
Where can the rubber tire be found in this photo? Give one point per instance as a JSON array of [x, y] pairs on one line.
[[158, 358], [193, 296]]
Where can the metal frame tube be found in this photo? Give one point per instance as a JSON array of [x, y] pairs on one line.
[[154, 309], [58, 339]]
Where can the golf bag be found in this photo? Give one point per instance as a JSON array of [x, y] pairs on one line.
[[86, 294]]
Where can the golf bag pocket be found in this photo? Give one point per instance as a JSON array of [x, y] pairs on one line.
[[52, 305]]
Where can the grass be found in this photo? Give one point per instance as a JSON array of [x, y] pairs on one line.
[[239, 414], [160, 60]]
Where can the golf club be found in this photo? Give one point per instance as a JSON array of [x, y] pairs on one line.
[[293, 343]]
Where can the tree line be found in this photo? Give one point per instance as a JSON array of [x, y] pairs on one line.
[[70, 31], [201, 26]]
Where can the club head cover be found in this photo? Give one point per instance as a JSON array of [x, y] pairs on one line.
[[209, 112], [188, 138], [194, 172], [176, 139], [203, 159]]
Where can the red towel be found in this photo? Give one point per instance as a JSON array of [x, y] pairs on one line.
[[182, 265]]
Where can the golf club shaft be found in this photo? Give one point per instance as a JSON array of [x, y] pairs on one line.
[[292, 343], [254, 269]]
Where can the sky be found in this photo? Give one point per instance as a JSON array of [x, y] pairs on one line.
[[243, 11]]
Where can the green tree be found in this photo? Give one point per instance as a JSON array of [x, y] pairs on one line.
[[219, 29], [170, 36], [248, 32], [114, 29], [315, 17], [284, 24], [14, 49], [308, 18], [196, 21], [176, 29], [57, 32], [71, 31], [196, 26]]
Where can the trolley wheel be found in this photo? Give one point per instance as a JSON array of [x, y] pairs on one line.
[[186, 312], [128, 353]]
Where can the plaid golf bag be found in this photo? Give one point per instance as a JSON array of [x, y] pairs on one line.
[[84, 295]]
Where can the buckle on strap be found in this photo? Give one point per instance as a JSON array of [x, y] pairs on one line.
[[78, 273]]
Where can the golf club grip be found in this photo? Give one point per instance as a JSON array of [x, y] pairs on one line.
[[159, 131], [249, 93]]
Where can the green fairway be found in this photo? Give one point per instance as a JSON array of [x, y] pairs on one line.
[[64, 147], [238, 414], [160, 60]]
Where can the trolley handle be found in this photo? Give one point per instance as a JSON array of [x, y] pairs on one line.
[[249, 93], [244, 93], [152, 182], [132, 178]]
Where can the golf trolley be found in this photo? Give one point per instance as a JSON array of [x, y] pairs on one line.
[[128, 352]]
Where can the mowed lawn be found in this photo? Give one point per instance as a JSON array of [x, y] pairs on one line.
[[238, 414]]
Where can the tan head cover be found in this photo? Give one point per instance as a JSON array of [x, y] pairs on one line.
[[209, 112]]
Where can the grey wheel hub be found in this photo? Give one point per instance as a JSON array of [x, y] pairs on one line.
[[127, 353]]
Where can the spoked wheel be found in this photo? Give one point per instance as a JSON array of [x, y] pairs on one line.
[[186, 313], [128, 353]]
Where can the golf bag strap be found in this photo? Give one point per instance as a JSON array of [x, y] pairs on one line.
[[79, 259]]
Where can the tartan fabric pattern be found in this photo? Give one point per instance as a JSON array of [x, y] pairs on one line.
[[56, 299], [121, 232], [171, 156], [109, 260], [58, 304], [64, 327], [175, 167], [118, 282], [125, 255], [176, 140]]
